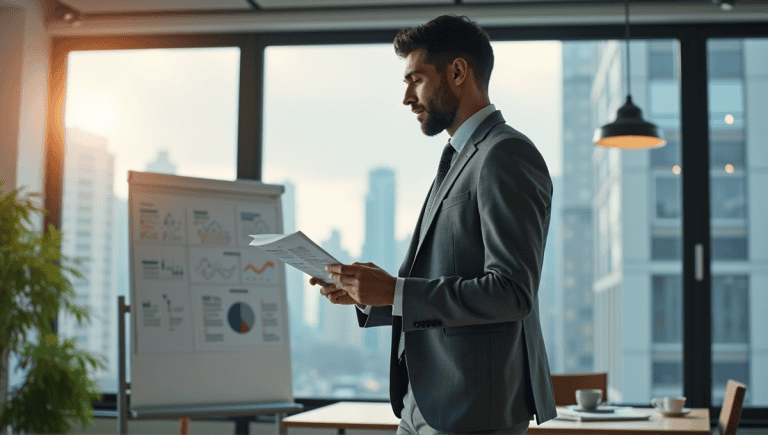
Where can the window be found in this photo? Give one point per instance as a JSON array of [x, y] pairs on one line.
[[667, 306], [729, 248], [664, 99], [359, 132], [123, 108], [667, 374], [726, 104], [666, 248], [738, 92], [728, 197], [730, 320], [668, 193], [728, 149], [724, 59], [661, 64], [667, 156]]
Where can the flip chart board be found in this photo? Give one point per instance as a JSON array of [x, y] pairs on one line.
[[209, 320]]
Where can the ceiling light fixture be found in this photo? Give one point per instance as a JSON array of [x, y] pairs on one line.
[[629, 130], [725, 5], [72, 17]]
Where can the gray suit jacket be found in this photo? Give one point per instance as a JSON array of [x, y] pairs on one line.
[[473, 345]]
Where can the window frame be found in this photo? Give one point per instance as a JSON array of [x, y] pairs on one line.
[[692, 39]]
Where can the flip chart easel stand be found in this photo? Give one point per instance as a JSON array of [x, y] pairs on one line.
[[241, 413]]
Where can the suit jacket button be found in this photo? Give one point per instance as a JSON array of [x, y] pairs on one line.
[[417, 324]]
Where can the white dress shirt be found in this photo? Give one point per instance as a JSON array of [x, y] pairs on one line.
[[459, 139]]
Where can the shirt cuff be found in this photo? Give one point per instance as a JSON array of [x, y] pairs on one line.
[[366, 311], [397, 305]]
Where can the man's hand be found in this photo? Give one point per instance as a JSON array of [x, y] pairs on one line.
[[334, 293], [363, 284]]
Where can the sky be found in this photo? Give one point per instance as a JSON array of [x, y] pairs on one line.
[[330, 120], [331, 114]]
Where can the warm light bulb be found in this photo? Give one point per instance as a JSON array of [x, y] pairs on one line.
[[631, 142], [729, 119], [677, 170], [729, 168]]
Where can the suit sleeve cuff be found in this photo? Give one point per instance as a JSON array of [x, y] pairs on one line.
[[397, 305]]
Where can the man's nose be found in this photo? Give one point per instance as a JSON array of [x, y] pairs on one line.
[[409, 98]]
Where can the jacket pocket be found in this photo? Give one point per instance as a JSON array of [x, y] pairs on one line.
[[486, 327], [454, 200]]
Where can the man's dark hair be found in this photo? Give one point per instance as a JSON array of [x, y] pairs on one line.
[[447, 37]]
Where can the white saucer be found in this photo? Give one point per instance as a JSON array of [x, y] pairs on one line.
[[684, 411]]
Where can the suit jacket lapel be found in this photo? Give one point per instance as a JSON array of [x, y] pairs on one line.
[[411, 253], [458, 165]]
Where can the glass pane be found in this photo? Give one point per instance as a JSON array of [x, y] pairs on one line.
[[738, 89], [366, 169], [161, 110]]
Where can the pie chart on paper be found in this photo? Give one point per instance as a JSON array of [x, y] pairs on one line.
[[241, 317]]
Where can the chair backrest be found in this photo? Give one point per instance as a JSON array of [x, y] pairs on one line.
[[565, 386], [731, 410]]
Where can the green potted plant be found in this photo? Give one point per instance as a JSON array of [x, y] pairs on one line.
[[35, 287]]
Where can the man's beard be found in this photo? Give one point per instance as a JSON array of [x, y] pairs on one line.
[[442, 111]]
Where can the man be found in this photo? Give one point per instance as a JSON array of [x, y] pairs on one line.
[[467, 350]]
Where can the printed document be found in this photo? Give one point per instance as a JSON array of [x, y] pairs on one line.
[[297, 250]]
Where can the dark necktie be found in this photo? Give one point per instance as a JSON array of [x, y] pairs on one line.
[[442, 170]]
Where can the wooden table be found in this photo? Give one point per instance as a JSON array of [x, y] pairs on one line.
[[379, 415], [697, 422], [347, 415]]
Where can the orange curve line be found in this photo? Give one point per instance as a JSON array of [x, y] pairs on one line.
[[263, 268]]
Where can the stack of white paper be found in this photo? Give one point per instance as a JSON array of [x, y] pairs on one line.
[[619, 414]]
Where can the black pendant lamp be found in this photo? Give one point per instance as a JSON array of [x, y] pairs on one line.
[[629, 130]]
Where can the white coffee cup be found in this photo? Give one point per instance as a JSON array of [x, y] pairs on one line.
[[669, 404], [589, 399]]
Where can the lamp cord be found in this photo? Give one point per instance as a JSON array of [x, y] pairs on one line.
[[626, 33]]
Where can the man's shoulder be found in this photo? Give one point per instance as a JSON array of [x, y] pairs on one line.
[[504, 132], [504, 140]]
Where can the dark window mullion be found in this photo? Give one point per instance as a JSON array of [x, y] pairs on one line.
[[697, 302], [250, 125]]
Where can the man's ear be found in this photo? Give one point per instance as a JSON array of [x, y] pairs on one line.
[[459, 69]]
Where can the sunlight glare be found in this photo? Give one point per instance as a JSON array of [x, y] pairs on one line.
[[95, 113]]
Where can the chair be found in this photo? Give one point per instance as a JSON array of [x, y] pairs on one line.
[[731, 410], [565, 386], [184, 426]]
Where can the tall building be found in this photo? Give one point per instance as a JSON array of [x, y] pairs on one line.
[[88, 225], [738, 168], [294, 279], [574, 336], [638, 230], [338, 323], [379, 246], [162, 163], [624, 267]]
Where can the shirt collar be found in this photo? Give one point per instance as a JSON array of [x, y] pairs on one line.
[[465, 130]]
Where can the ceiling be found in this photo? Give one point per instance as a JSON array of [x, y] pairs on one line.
[[111, 17], [127, 7]]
